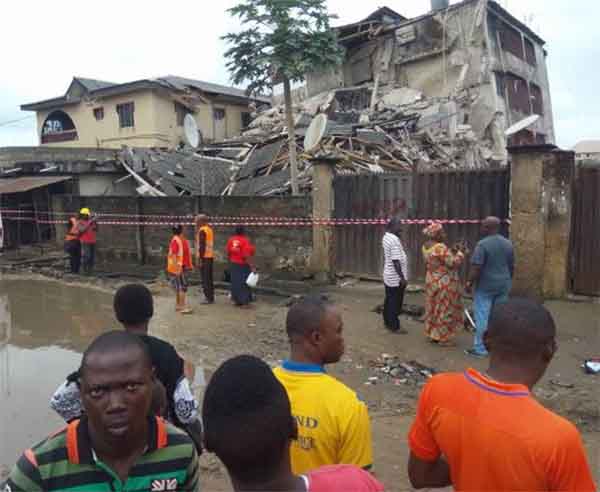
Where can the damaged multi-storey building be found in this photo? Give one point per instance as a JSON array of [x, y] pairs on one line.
[[476, 63]]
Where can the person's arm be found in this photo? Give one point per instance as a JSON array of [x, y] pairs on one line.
[[356, 447], [25, 476], [200, 245], [428, 475], [511, 263], [398, 256], [477, 262]]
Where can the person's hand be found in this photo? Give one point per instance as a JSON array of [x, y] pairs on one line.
[[469, 287], [253, 268], [403, 283]]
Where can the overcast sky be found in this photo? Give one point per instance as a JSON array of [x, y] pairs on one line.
[[44, 44]]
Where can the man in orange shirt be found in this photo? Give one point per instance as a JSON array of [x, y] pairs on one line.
[[179, 260], [485, 431]]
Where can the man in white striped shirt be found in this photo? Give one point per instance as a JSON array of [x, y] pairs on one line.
[[395, 276]]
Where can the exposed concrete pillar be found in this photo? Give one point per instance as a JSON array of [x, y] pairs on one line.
[[322, 261], [541, 183]]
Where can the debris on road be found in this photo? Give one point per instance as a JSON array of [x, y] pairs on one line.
[[391, 369]]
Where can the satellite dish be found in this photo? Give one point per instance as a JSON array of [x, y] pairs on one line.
[[521, 125], [190, 131], [315, 132]]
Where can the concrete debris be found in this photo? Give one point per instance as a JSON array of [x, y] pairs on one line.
[[404, 131], [390, 368]]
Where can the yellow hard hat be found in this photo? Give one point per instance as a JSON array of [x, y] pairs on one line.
[[85, 211]]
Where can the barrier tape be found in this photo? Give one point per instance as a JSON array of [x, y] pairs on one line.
[[264, 222]]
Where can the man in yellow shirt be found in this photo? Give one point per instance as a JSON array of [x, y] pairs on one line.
[[333, 424]]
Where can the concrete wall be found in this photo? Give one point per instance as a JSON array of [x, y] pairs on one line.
[[275, 245], [12, 155], [541, 180], [155, 122], [104, 185]]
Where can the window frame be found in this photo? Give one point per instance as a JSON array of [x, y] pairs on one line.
[[126, 113]]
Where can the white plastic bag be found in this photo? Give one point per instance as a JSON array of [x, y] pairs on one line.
[[252, 279]]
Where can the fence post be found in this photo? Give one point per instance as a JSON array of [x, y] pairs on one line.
[[322, 262], [139, 232], [541, 199]]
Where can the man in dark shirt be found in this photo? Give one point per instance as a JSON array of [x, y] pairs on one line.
[[492, 268], [134, 307]]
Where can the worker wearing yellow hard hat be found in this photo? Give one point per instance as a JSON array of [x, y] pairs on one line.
[[85, 211], [88, 228]]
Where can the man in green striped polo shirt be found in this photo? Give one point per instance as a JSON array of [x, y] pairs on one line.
[[118, 445]]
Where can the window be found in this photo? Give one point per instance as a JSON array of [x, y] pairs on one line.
[[512, 41], [99, 114], [530, 53], [518, 94], [500, 84], [180, 111], [537, 100], [219, 114], [125, 112], [246, 120], [58, 127]]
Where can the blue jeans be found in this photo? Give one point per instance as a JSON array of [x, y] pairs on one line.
[[484, 302]]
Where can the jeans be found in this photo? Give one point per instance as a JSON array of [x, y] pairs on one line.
[[483, 305], [88, 256], [73, 249], [394, 297]]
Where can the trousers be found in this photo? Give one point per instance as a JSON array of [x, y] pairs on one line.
[[392, 307], [208, 283], [88, 251], [483, 304], [73, 249]]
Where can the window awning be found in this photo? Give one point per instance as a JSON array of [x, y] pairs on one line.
[[20, 185]]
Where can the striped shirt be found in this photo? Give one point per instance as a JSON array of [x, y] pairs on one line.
[[392, 251], [66, 461]]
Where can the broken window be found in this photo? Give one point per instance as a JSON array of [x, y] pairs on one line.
[[518, 94], [99, 114], [219, 114], [58, 127], [530, 52], [246, 119], [512, 41], [180, 111], [537, 100], [125, 112]]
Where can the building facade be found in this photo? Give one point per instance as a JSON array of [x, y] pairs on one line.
[[144, 113]]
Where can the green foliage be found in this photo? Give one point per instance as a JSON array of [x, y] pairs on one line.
[[287, 38]]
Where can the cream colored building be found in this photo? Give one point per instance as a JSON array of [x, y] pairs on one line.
[[144, 113]]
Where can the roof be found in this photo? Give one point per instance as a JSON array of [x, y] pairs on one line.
[[382, 12], [93, 84], [19, 185], [587, 147], [98, 88]]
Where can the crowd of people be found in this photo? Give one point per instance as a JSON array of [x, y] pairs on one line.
[[134, 424]]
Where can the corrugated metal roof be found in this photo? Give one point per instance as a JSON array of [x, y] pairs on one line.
[[93, 84], [180, 83], [19, 185]]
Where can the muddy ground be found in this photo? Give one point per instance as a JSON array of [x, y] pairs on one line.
[[214, 333]]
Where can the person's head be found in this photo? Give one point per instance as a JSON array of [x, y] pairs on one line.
[[314, 327], [248, 421], [159, 399], [177, 230], [394, 225], [521, 335], [240, 230], [490, 226], [85, 213], [116, 380], [435, 232], [201, 220], [134, 306]]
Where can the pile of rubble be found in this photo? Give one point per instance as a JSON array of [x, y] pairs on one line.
[[402, 131], [390, 369]]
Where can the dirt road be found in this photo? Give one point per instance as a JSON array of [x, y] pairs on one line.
[[217, 332]]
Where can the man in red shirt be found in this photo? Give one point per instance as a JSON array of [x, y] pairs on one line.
[[240, 251], [248, 424], [485, 431]]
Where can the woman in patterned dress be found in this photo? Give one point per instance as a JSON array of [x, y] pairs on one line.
[[444, 310]]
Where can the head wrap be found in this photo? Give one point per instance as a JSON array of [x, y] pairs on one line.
[[433, 229]]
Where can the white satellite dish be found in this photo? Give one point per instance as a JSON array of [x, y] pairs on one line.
[[521, 125], [315, 132], [190, 131]]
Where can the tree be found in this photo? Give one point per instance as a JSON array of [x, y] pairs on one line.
[[281, 41]]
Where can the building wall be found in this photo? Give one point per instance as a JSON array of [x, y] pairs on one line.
[[125, 242], [105, 185], [154, 117]]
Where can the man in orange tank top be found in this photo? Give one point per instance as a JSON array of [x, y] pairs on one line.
[[178, 262], [205, 247]]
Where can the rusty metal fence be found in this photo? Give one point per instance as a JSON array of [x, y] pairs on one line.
[[448, 196], [585, 233]]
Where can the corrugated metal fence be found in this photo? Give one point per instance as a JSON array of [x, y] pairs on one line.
[[585, 233], [435, 195]]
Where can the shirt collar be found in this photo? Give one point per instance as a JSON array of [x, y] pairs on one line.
[[502, 389], [79, 444], [290, 365]]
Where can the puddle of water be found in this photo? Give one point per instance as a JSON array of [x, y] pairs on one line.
[[44, 327]]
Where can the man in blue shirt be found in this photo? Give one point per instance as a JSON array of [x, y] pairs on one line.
[[492, 268]]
